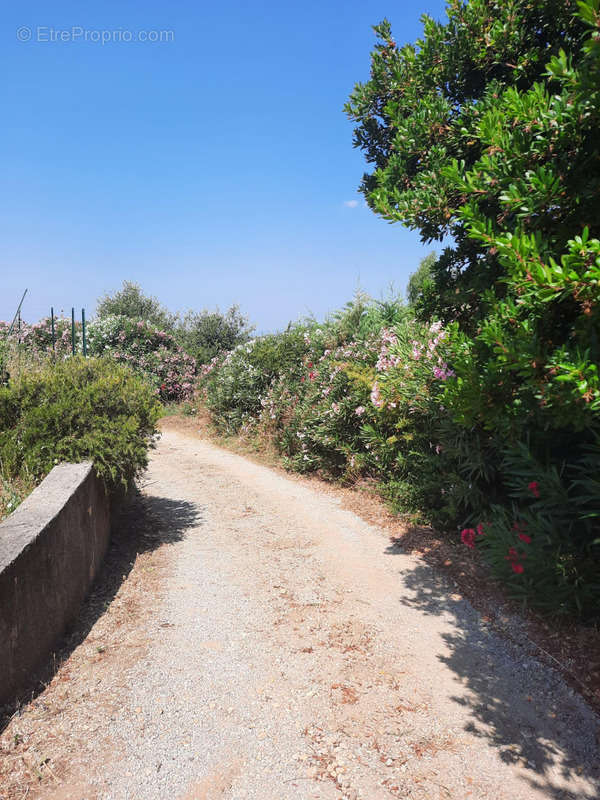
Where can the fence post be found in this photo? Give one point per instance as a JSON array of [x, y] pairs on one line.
[[19, 344], [52, 324], [73, 330], [83, 332]]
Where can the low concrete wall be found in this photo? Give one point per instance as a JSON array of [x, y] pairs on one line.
[[51, 548]]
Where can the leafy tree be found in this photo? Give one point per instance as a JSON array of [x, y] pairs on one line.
[[130, 301], [420, 281], [206, 334], [486, 131], [420, 120]]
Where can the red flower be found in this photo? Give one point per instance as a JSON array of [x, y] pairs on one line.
[[514, 557], [302, 379], [534, 488], [312, 376], [480, 530], [310, 364], [467, 537], [525, 538], [163, 386]]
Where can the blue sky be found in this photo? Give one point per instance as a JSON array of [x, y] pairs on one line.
[[212, 169]]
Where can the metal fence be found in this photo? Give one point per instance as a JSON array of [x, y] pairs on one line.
[[11, 343]]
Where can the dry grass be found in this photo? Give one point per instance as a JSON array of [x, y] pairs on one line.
[[12, 493]]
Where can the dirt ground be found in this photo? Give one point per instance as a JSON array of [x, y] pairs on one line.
[[253, 637], [571, 648]]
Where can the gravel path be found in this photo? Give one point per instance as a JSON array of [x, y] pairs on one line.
[[294, 654]]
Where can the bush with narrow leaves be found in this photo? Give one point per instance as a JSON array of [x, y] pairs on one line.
[[75, 410]]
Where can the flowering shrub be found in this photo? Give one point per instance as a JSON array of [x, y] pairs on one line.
[[34, 341], [330, 398], [374, 396], [149, 351], [234, 384], [316, 410], [543, 543], [145, 348]]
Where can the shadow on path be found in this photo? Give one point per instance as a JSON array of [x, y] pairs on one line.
[[522, 708], [144, 523]]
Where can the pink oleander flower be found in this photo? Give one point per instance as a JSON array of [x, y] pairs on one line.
[[534, 488], [376, 396], [359, 411]]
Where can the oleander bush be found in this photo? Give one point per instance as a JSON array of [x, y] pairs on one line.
[[316, 392], [234, 384], [149, 351], [74, 410], [32, 343]]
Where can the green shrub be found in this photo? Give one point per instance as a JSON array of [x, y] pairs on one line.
[[131, 302], [544, 544], [207, 334], [235, 385], [74, 410], [484, 134]]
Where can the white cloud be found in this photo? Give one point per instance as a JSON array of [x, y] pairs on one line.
[[350, 203]]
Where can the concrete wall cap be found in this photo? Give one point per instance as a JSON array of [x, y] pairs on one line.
[[38, 510]]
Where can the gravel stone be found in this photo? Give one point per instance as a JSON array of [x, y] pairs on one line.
[[291, 655]]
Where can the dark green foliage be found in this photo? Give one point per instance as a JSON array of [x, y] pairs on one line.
[[207, 334], [130, 301], [420, 283], [75, 410], [421, 112], [553, 523], [486, 131]]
